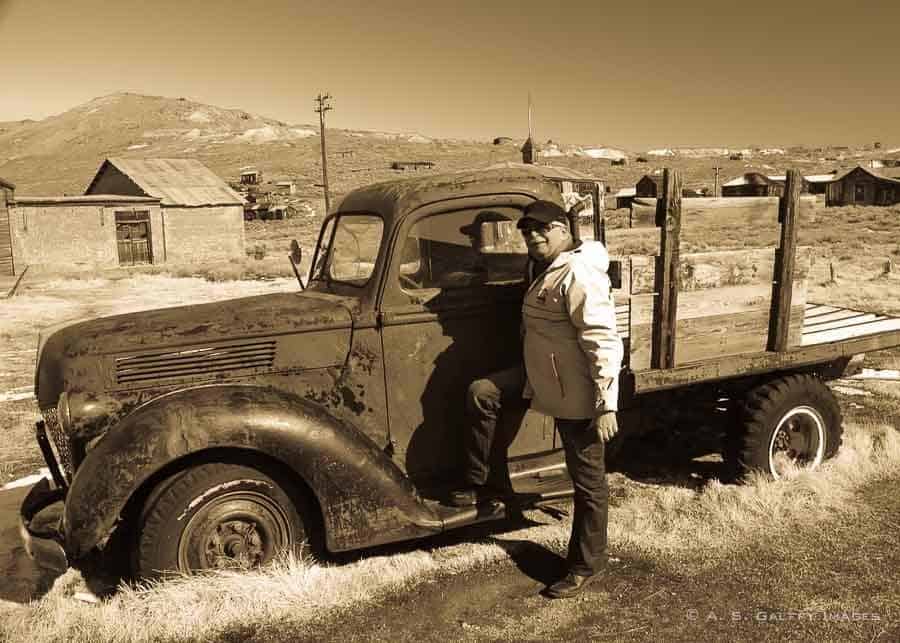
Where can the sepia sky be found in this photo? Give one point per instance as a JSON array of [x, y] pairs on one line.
[[634, 73]]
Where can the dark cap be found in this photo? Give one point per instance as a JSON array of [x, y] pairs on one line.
[[485, 216], [543, 211]]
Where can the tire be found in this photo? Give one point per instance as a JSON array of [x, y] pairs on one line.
[[216, 516], [788, 423]]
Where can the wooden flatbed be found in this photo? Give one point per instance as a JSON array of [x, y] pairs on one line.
[[706, 316]]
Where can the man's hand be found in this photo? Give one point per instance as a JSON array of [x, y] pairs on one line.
[[605, 424]]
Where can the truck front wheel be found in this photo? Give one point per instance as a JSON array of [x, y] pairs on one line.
[[216, 516], [790, 423]]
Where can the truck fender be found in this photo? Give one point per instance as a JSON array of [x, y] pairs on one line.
[[364, 497]]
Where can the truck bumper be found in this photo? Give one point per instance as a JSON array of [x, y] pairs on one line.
[[40, 520]]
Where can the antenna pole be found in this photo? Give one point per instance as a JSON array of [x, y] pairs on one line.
[[529, 117], [322, 106]]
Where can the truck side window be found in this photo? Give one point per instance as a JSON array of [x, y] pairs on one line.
[[466, 248]]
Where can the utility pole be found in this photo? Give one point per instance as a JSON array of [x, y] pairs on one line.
[[716, 188], [322, 106]]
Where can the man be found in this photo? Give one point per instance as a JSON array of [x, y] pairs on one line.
[[572, 359]]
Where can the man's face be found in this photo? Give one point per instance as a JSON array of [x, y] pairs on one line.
[[545, 241]]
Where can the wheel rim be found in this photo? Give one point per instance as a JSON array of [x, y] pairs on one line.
[[797, 442], [239, 529]]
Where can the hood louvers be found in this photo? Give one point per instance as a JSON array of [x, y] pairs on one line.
[[193, 362]]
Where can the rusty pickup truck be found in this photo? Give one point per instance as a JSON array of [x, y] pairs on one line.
[[221, 434]]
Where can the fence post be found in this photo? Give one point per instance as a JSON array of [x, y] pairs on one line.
[[782, 289], [668, 218]]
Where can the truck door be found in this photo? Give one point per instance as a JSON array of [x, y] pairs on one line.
[[451, 313]]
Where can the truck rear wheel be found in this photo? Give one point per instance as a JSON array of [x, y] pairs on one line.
[[788, 423], [217, 516]]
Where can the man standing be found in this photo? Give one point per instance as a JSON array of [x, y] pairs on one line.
[[572, 359]]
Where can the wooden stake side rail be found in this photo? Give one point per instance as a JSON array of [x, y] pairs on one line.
[[758, 363], [725, 332], [780, 317]]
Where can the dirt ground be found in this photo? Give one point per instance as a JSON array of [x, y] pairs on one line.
[[838, 582]]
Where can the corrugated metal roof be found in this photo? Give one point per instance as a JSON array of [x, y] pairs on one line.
[[84, 199], [184, 182]]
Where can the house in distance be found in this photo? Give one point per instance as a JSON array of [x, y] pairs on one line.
[[134, 211]]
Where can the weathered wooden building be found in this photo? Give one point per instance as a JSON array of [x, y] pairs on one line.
[[201, 218], [753, 184], [759, 184], [865, 186], [649, 186], [86, 231], [7, 267]]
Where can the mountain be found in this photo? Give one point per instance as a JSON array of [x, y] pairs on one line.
[[60, 154]]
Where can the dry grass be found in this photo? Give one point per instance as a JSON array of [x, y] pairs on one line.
[[689, 530]]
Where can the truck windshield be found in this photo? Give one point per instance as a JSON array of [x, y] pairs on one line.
[[349, 249]]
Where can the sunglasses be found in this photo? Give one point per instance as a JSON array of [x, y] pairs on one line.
[[541, 228]]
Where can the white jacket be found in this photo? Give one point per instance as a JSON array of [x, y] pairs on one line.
[[573, 352]]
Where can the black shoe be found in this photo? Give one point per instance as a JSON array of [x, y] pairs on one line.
[[474, 494], [570, 585], [466, 496]]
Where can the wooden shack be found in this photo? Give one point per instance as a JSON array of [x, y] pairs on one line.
[[753, 184], [202, 218], [7, 268], [865, 186], [648, 186]]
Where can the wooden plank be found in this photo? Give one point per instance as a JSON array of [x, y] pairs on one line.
[[767, 362], [846, 322], [598, 219], [640, 331], [703, 270], [702, 211], [725, 301], [861, 330], [784, 263], [824, 318], [712, 323], [812, 321], [668, 219], [815, 310]]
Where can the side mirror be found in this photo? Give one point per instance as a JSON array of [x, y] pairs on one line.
[[296, 257], [615, 274]]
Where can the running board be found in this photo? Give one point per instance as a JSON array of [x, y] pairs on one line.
[[529, 493]]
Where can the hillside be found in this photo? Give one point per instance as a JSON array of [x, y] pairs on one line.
[[60, 154]]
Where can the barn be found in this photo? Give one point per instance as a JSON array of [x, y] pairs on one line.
[[865, 186], [201, 218], [7, 269]]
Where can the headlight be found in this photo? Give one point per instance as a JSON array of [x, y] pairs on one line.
[[63, 414]]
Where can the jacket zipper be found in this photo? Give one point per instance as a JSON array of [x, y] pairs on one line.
[[562, 389]]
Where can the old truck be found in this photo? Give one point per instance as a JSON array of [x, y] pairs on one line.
[[224, 433]]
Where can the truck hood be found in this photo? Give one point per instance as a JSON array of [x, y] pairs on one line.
[[68, 355]]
